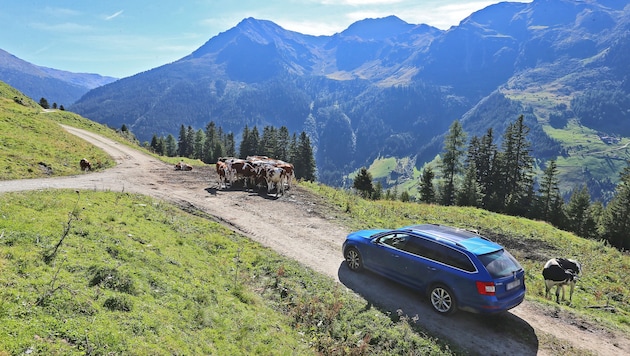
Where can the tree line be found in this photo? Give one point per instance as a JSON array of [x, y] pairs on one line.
[[501, 179], [212, 143], [44, 104]]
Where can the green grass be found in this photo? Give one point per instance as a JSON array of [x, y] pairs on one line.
[[33, 145], [138, 276]]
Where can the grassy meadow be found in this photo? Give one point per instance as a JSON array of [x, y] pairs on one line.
[[33, 145], [113, 273]]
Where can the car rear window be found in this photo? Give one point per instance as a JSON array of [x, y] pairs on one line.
[[500, 263]]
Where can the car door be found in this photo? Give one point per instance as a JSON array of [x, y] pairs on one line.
[[386, 254], [415, 269]]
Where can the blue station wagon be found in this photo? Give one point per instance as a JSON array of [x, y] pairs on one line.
[[457, 269]]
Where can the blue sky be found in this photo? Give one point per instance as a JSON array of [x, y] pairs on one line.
[[120, 38]]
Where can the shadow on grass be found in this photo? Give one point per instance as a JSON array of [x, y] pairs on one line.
[[466, 333]]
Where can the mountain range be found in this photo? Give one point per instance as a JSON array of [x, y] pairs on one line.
[[56, 86], [386, 88]]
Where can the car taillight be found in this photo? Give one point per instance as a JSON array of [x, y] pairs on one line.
[[486, 288]]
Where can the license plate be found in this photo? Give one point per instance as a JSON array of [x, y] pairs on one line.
[[513, 284]]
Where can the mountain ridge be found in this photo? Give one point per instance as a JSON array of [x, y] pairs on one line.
[[58, 86]]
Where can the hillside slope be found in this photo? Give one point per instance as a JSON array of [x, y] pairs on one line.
[[33, 145], [310, 229]]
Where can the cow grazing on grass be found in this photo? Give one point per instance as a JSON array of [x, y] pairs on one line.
[[85, 165], [559, 272]]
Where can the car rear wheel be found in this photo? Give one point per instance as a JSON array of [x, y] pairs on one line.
[[442, 300], [353, 259]]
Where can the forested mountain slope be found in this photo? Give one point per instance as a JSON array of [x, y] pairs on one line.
[[384, 87]]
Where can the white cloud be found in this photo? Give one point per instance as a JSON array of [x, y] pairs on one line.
[[110, 17]]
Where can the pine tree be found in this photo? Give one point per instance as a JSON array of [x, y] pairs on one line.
[[616, 221], [451, 164], [229, 145], [44, 103], [190, 142], [283, 144], [470, 193], [209, 150], [378, 191], [363, 183], [549, 203], [517, 166], [427, 192], [580, 219], [244, 147], [171, 146], [154, 144], [304, 164], [198, 144], [483, 153], [268, 145], [182, 142], [250, 142]]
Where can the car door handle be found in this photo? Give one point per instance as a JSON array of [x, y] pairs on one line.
[[431, 268]]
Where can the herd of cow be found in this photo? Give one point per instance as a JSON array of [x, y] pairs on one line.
[[255, 172]]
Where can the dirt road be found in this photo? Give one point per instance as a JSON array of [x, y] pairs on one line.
[[298, 226]]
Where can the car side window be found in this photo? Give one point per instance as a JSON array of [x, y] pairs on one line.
[[439, 253], [396, 240], [419, 247], [459, 260]]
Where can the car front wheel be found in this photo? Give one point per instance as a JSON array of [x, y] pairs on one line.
[[353, 259], [442, 300]]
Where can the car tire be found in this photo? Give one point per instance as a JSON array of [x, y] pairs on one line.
[[353, 259], [442, 300]]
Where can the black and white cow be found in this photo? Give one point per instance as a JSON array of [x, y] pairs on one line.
[[559, 272]]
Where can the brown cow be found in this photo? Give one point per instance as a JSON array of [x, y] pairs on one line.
[[290, 173], [85, 165], [222, 168], [181, 166], [275, 177]]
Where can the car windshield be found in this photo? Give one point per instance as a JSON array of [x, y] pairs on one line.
[[500, 263]]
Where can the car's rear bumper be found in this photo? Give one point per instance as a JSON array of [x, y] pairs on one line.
[[492, 305]]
